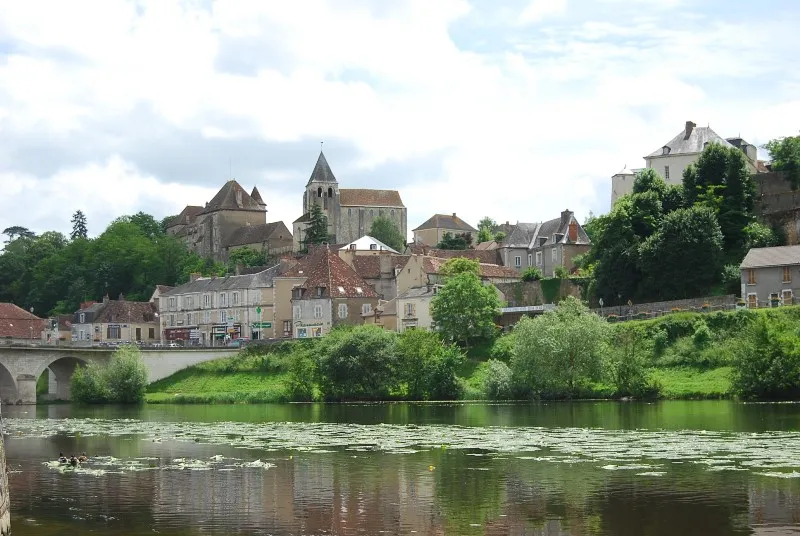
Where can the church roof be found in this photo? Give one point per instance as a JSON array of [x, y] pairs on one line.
[[361, 197], [232, 197], [256, 195], [322, 171]]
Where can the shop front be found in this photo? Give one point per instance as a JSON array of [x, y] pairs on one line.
[[222, 332], [177, 334], [306, 330]]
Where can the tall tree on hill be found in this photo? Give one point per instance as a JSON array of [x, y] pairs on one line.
[[459, 241], [245, 256], [78, 225], [317, 230], [486, 229], [785, 154], [387, 232], [16, 231], [464, 308]]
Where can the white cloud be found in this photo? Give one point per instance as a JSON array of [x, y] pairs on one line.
[[521, 129]]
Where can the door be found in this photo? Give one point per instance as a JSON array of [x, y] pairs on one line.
[[786, 296], [138, 334], [752, 301]]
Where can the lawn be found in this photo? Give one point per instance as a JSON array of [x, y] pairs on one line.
[[685, 382]]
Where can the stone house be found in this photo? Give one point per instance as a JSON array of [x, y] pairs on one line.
[[58, 329], [414, 308], [770, 276], [544, 245], [350, 212], [434, 228], [19, 325], [233, 218], [384, 315], [115, 321], [671, 159], [211, 310], [332, 294], [379, 271]]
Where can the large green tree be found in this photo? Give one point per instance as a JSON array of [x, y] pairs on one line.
[[78, 225], [246, 256], [386, 231], [486, 229], [464, 309], [317, 230], [458, 241], [785, 154]]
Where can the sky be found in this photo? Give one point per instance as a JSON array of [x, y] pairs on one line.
[[515, 110]]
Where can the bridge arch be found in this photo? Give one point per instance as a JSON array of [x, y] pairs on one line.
[[8, 386], [61, 370]]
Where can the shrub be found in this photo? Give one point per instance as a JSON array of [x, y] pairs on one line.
[[701, 338], [123, 380], [767, 362], [503, 348], [532, 273], [560, 272], [88, 385], [660, 342], [626, 364], [301, 383], [428, 365], [497, 380]]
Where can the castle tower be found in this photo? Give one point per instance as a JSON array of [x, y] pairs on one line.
[[621, 184], [256, 195], [323, 189]]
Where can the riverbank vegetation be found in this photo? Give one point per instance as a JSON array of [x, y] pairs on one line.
[[123, 380], [569, 353]]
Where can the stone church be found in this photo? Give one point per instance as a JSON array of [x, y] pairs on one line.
[[350, 211], [231, 220]]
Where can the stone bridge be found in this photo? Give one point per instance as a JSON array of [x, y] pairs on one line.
[[21, 367]]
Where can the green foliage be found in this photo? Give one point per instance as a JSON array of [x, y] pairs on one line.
[[464, 309], [785, 154], [560, 272], [17, 231], [245, 256], [428, 366], [531, 273], [502, 348], [758, 235], [78, 226], [560, 351], [499, 236], [457, 242], [317, 230], [767, 364], [460, 265], [123, 380], [486, 229], [497, 381], [627, 365], [691, 233], [359, 363], [701, 338], [386, 231], [551, 288]]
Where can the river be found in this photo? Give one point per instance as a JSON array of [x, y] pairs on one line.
[[706, 468]]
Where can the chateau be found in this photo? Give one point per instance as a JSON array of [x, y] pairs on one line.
[[350, 212]]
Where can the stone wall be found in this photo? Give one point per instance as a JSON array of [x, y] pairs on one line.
[[714, 303], [524, 293], [5, 500]]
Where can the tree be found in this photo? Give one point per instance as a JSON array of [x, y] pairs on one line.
[[386, 231], [686, 234], [464, 309], [560, 351], [460, 265], [123, 380], [149, 226], [767, 363], [16, 231], [452, 242], [78, 226], [246, 256], [785, 154], [429, 366], [317, 230], [486, 229]]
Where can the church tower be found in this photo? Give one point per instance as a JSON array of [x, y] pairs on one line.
[[323, 189]]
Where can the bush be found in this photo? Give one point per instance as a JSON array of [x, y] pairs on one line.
[[767, 362], [627, 366], [560, 272], [701, 338], [429, 366], [303, 373], [660, 342], [497, 380], [532, 273], [503, 348], [123, 380]]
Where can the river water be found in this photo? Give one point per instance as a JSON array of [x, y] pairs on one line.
[[706, 468]]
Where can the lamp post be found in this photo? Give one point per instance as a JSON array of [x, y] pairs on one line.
[[601, 306], [30, 326]]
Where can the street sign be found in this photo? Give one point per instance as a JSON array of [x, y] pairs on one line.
[[258, 310], [261, 325]]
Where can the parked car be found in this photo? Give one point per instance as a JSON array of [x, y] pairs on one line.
[[174, 345], [238, 343]]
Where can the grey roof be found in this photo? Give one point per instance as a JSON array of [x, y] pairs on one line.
[[520, 235], [624, 171], [528, 235], [256, 195], [254, 234], [230, 282], [322, 171], [447, 221], [694, 142], [233, 197], [776, 256], [417, 292]]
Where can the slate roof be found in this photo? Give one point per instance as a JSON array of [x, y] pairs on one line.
[[230, 282], [416, 292], [304, 218], [520, 235], [775, 256], [527, 235], [447, 221], [624, 171], [186, 216], [16, 322], [322, 171], [256, 234], [163, 288], [228, 199], [124, 311], [336, 278], [256, 195], [694, 142], [361, 197], [433, 265]]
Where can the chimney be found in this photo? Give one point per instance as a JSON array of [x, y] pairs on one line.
[[121, 297], [573, 231], [566, 216], [454, 214], [688, 130], [105, 298], [194, 276]]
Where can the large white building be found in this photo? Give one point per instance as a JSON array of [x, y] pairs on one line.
[[671, 159]]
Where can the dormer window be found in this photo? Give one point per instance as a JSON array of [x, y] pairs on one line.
[[353, 247], [373, 246], [82, 319], [359, 291], [665, 150], [297, 293], [341, 290], [320, 291]]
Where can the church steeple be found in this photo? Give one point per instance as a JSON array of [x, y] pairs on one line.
[[256, 195], [322, 171]]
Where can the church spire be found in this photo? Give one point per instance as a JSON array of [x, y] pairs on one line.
[[256, 195], [322, 171]]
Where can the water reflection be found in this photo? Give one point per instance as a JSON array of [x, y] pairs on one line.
[[337, 490]]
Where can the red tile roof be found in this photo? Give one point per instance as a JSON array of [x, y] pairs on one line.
[[17, 323], [127, 311], [336, 278], [359, 197], [367, 266]]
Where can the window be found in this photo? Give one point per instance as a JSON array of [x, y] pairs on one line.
[[287, 328], [353, 247], [666, 173], [366, 309], [341, 290], [297, 312], [359, 290], [223, 317], [171, 320], [223, 300], [411, 309], [235, 298], [297, 293], [151, 333], [373, 246], [189, 301], [554, 255], [786, 297], [530, 259], [82, 318], [317, 311], [751, 277], [371, 212], [172, 304], [349, 211], [320, 291], [206, 300], [206, 316], [342, 310], [113, 332], [787, 274], [518, 261], [255, 296], [752, 301], [538, 258], [189, 319], [665, 150]]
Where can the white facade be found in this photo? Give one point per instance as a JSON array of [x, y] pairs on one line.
[[621, 184], [414, 309], [311, 317]]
